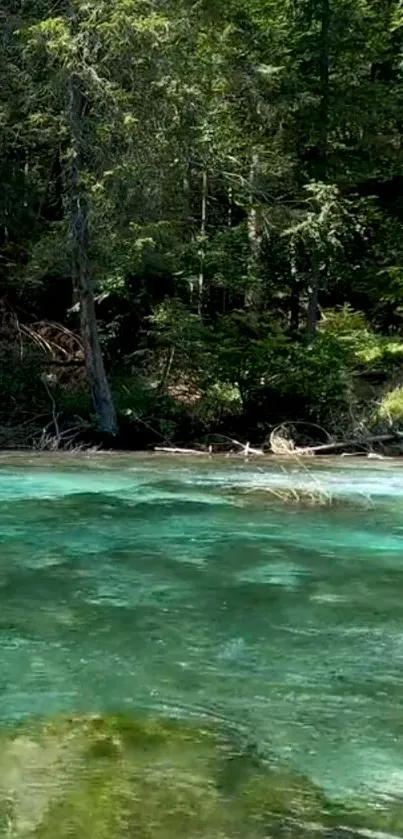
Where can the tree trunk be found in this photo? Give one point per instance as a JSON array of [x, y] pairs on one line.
[[312, 314], [79, 247], [295, 302], [252, 295], [324, 74], [230, 207], [203, 228]]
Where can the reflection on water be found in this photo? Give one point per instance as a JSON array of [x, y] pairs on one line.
[[131, 586]]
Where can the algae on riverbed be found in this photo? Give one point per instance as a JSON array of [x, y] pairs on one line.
[[119, 778], [115, 778]]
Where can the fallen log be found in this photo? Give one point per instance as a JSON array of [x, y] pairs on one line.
[[246, 450], [174, 450], [360, 442]]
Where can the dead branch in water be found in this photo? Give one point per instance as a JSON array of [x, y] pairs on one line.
[[176, 450], [283, 444], [282, 441], [246, 449], [357, 442]]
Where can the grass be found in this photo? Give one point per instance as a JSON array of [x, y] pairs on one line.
[[314, 497]]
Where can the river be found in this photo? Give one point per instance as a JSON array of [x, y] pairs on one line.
[[186, 588]]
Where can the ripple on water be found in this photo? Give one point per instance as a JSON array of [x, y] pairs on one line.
[[273, 573]]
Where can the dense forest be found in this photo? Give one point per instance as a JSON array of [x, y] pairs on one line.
[[201, 220]]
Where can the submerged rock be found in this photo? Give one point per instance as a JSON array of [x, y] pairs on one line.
[[118, 778]]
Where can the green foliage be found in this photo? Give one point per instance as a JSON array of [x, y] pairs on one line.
[[391, 407], [235, 163], [220, 403], [316, 378], [145, 412], [369, 350]]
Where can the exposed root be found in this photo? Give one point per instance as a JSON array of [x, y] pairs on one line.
[[281, 442]]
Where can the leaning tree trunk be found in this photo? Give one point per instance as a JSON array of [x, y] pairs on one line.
[[79, 244]]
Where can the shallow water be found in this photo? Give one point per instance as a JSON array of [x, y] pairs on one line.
[[179, 587]]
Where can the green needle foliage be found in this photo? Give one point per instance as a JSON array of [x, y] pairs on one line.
[[204, 193]]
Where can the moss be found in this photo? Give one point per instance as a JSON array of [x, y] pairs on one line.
[[113, 777], [279, 800], [140, 780], [383, 816], [120, 778], [92, 808]]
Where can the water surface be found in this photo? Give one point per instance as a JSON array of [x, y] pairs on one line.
[[179, 587]]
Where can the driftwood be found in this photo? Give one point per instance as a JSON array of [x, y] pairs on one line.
[[291, 451], [246, 450], [360, 442], [177, 450]]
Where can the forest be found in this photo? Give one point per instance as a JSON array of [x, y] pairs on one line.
[[201, 222]]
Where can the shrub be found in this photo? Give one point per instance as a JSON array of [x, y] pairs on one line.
[[391, 407]]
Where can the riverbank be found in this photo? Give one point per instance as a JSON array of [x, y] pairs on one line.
[[283, 441]]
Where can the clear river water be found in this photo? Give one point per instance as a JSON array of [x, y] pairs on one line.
[[184, 588]]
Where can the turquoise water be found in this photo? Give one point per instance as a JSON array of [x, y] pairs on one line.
[[181, 588]]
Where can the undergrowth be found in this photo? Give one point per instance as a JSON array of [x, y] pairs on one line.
[[346, 384]]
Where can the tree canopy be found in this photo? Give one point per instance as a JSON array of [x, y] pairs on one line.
[[200, 217]]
